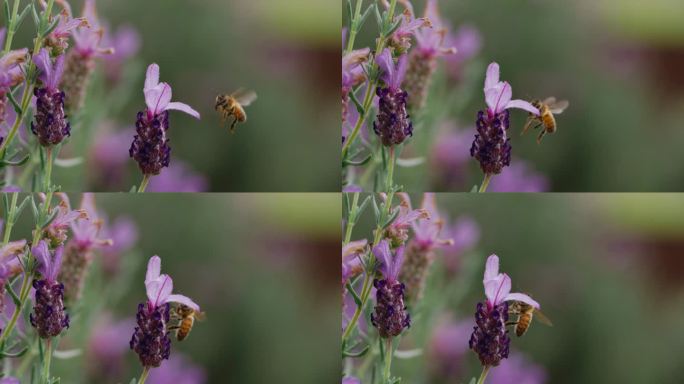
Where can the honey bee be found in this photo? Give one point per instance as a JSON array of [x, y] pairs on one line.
[[547, 109], [186, 319], [233, 105], [525, 314]]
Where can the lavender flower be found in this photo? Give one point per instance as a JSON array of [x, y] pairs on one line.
[[56, 231], [178, 370], [390, 316], [449, 156], [150, 339], [392, 122], [519, 177], [352, 73], [150, 146], [126, 43], [468, 41], [58, 40], [465, 233], [491, 146], [49, 316], [397, 231], [80, 61], [423, 59], [517, 370], [108, 161], [420, 250], [9, 380], [350, 380], [447, 347], [124, 234], [79, 249], [106, 348], [490, 337], [10, 74], [400, 40], [179, 177], [51, 124]]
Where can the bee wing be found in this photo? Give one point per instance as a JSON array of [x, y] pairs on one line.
[[549, 100], [542, 318], [244, 97], [200, 316], [558, 107]]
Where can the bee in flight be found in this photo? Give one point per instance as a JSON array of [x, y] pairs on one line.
[[547, 109], [233, 105], [186, 317], [525, 313]]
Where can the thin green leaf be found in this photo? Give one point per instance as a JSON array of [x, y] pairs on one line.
[[357, 104], [15, 163], [51, 27], [355, 296], [15, 105], [363, 351], [358, 163], [19, 353], [365, 15], [14, 296], [23, 15], [36, 18], [394, 27]]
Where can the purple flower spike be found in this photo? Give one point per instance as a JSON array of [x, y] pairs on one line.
[[390, 316], [150, 339], [491, 146], [490, 337], [392, 123], [49, 317], [150, 146], [51, 124]]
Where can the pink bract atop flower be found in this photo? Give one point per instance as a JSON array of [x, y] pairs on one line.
[[498, 286], [87, 38], [397, 231], [431, 40], [59, 37], [158, 95], [401, 38], [57, 229], [159, 287], [390, 266], [50, 74], [392, 75], [86, 230], [498, 94], [427, 229], [48, 266]]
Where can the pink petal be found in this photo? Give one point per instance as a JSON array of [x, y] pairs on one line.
[[152, 76], [522, 104], [504, 97], [402, 65], [398, 261], [159, 290], [153, 269], [183, 300], [522, 297], [183, 108], [382, 253], [56, 262], [492, 76], [158, 98], [58, 71], [491, 268], [497, 289], [384, 61]]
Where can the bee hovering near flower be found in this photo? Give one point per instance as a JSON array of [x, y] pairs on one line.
[[545, 119], [525, 313], [186, 317], [233, 105]]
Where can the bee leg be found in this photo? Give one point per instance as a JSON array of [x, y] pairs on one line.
[[541, 135], [511, 323], [172, 327], [232, 126], [529, 123]]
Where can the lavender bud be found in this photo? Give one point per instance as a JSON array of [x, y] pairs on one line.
[[392, 123], [390, 316], [73, 272], [491, 147], [51, 125], [77, 73], [415, 269], [150, 146], [421, 67], [151, 339], [49, 317], [490, 337]]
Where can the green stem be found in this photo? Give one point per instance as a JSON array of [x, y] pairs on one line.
[[367, 286], [388, 361], [48, 357], [485, 183], [389, 184], [352, 222], [10, 219], [143, 183], [28, 89], [371, 85], [48, 169], [11, 27], [28, 274], [353, 30], [143, 376], [483, 375]]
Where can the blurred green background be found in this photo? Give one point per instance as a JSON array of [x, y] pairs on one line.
[[606, 268], [284, 50], [260, 265], [617, 62]]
